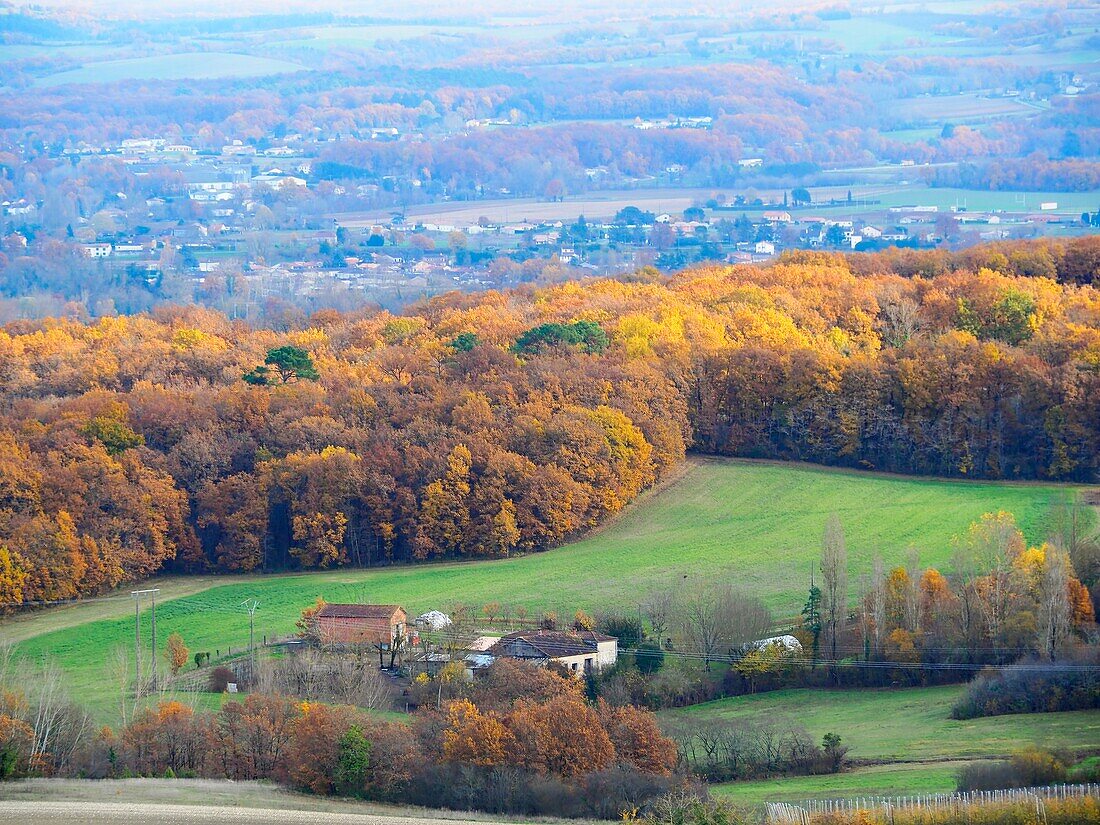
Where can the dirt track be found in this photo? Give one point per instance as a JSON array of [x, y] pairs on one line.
[[138, 813], [202, 801]]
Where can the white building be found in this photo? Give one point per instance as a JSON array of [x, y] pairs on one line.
[[579, 652], [97, 250]]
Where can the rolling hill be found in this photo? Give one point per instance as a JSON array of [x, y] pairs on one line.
[[756, 525]]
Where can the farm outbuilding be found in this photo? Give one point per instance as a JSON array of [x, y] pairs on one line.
[[361, 623]]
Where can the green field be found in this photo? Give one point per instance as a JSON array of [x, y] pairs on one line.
[[874, 780], [907, 735], [904, 725], [195, 65], [755, 525]]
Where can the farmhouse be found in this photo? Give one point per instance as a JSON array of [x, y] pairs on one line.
[[361, 623], [580, 651], [97, 250], [277, 179]]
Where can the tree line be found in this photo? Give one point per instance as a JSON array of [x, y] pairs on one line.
[[524, 740], [1000, 601], [507, 422]]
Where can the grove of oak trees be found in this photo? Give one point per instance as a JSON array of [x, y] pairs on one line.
[[133, 444]]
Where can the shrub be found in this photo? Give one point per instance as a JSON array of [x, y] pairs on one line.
[[220, 679], [353, 762], [649, 658], [1028, 768], [687, 808], [621, 790], [1087, 770], [15, 747], [1035, 766], [1055, 812], [985, 776], [627, 629], [1033, 686]]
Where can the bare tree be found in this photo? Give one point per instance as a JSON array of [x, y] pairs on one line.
[[715, 619], [865, 620], [7, 661], [878, 601], [59, 727], [702, 624], [834, 574], [657, 610], [911, 608], [119, 670], [1055, 610], [457, 637], [347, 676], [984, 560], [1071, 530], [899, 320], [1067, 526], [374, 690]]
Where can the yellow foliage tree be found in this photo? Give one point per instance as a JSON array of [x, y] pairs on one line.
[[474, 738], [176, 653]]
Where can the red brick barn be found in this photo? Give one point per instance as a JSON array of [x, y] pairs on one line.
[[361, 623]]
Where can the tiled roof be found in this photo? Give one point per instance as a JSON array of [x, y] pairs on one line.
[[358, 611], [552, 644]]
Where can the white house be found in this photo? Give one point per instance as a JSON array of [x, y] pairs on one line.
[[777, 216], [97, 250], [579, 652], [277, 180]]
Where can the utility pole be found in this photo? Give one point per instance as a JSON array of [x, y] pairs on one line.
[[251, 605], [154, 592], [137, 646], [136, 596]]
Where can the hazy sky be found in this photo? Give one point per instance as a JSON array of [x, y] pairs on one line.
[[608, 9]]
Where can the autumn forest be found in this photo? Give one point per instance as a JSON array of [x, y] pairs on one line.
[[504, 422]]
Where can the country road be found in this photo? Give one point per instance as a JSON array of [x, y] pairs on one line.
[[201, 801], [139, 813]]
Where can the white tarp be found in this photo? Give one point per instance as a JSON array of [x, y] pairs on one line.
[[433, 620], [787, 642]]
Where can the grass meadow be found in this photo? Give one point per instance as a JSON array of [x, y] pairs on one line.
[[901, 779], [903, 725], [902, 741], [755, 525]]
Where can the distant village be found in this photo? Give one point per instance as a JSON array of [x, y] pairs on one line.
[[258, 219]]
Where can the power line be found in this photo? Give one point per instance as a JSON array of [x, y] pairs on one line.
[[725, 659]]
